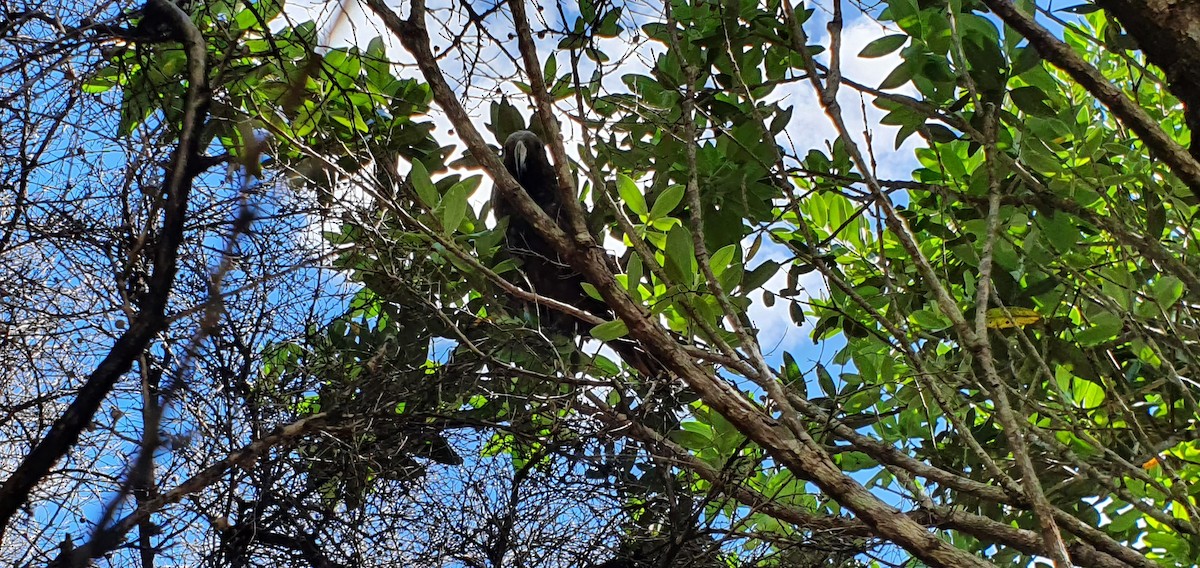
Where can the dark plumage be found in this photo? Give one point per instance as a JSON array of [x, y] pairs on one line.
[[525, 158], [544, 272]]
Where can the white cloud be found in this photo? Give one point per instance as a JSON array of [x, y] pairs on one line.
[[811, 128]]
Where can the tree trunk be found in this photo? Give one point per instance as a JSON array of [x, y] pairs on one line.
[[1168, 32]]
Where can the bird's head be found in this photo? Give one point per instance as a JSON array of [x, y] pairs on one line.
[[524, 154]]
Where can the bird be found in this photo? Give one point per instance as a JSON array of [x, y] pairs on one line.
[[525, 158], [660, 397], [544, 271]]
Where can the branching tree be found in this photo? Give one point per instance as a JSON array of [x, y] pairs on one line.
[[272, 295]]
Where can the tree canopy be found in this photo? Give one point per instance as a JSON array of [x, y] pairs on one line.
[[897, 283]]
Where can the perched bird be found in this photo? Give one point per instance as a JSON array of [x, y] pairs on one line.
[[659, 397], [525, 158], [544, 271]]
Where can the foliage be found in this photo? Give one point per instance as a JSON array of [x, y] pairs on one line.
[[1007, 332]]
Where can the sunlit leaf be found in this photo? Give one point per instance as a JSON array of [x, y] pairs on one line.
[[883, 46], [631, 195], [666, 201], [1005, 318], [610, 330]]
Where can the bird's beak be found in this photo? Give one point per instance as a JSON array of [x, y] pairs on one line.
[[519, 154]]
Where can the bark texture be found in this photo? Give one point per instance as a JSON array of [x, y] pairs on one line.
[[1168, 32]]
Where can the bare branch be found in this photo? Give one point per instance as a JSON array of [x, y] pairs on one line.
[[131, 344]]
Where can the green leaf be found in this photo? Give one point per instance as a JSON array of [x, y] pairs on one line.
[[825, 380], [1084, 393], [1031, 100], [591, 291], [454, 207], [680, 256], [883, 46], [940, 134], [135, 107], [1080, 9], [550, 68], [631, 195], [1027, 58], [605, 365], [930, 319], [1167, 291], [1105, 327], [666, 202], [692, 439], [608, 26], [249, 18], [634, 272], [759, 276], [854, 461], [376, 49], [1038, 156], [506, 119], [1087, 393], [791, 370], [104, 80], [722, 259], [344, 66], [419, 177], [1060, 231], [899, 77], [732, 277], [610, 330]]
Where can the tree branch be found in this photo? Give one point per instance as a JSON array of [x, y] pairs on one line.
[[1062, 56], [178, 183], [108, 538], [799, 453]]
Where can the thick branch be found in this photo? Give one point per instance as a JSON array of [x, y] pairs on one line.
[[1168, 32], [1062, 56]]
